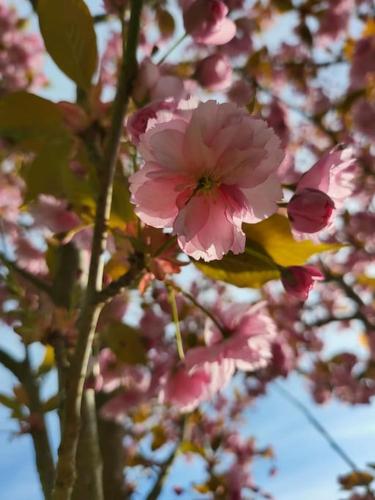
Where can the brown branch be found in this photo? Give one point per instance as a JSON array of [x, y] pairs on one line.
[[166, 466], [123, 282], [65, 475], [30, 278], [89, 482]]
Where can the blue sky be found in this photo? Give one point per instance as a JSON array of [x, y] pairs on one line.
[[307, 466]]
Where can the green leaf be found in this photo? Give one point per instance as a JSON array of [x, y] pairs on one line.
[[126, 343], [274, 235], [69, 36], [9, 402], [122, 210], [31, 121], [240, 270], [51, 403], [44, 173], [269, 244]]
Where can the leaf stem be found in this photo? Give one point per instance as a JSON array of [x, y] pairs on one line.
[[197, 304], [172, 48], [172, 301]]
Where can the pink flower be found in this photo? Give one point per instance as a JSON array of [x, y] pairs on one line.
[[241, 93], [54, 214], [278, 119], [206, 22], [333, 174], [299, 280], [74, 116], [185, 388], [334, 21], [216, 168], [138, 122], [310, 210], [363, 66], [115, 6], [152, 83], [247, 344], [364, 117], [214, 72]]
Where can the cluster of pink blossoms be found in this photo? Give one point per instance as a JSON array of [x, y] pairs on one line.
[[20, 53]]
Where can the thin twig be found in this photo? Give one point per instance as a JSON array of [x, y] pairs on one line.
[[316, 424], [194, 301], [30, 278], [166, 466], [172, 48], [90, 311], [172, 301]]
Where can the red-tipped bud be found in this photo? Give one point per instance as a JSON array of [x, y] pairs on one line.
[[310, 210], [214, 72], [299, 280]]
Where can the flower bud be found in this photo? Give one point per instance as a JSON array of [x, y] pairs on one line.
[[206, 22], [310, 210], [299, 280], [214, 72], [74, 116]]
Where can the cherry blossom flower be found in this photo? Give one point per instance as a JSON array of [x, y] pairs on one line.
[[241, 93], [247, 343], [333, 174], [153, 83], [216, 167], [53, 214]]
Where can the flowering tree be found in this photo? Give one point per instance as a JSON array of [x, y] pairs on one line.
[[212, 144]]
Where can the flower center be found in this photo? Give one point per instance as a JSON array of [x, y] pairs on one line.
[[206, 183]]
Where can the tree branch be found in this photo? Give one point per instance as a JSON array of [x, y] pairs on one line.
[[123, 282], [317, 425], [11, 364], [30, 278], [89, 482], [90, 311], [166, 467]]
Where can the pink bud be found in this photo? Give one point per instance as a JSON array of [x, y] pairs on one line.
[[299, 280], [310, 210], [206, 22], [214, 72], [241, 93], [74, 116]]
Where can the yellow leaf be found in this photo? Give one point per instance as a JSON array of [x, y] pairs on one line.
[[115, 268], [126, 343], [69, 36], [159, 437], [349, 48], [369, 29], [357, 478], [48, 361], [366, 280], [275, 237], [165, 22], [240, 270]]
